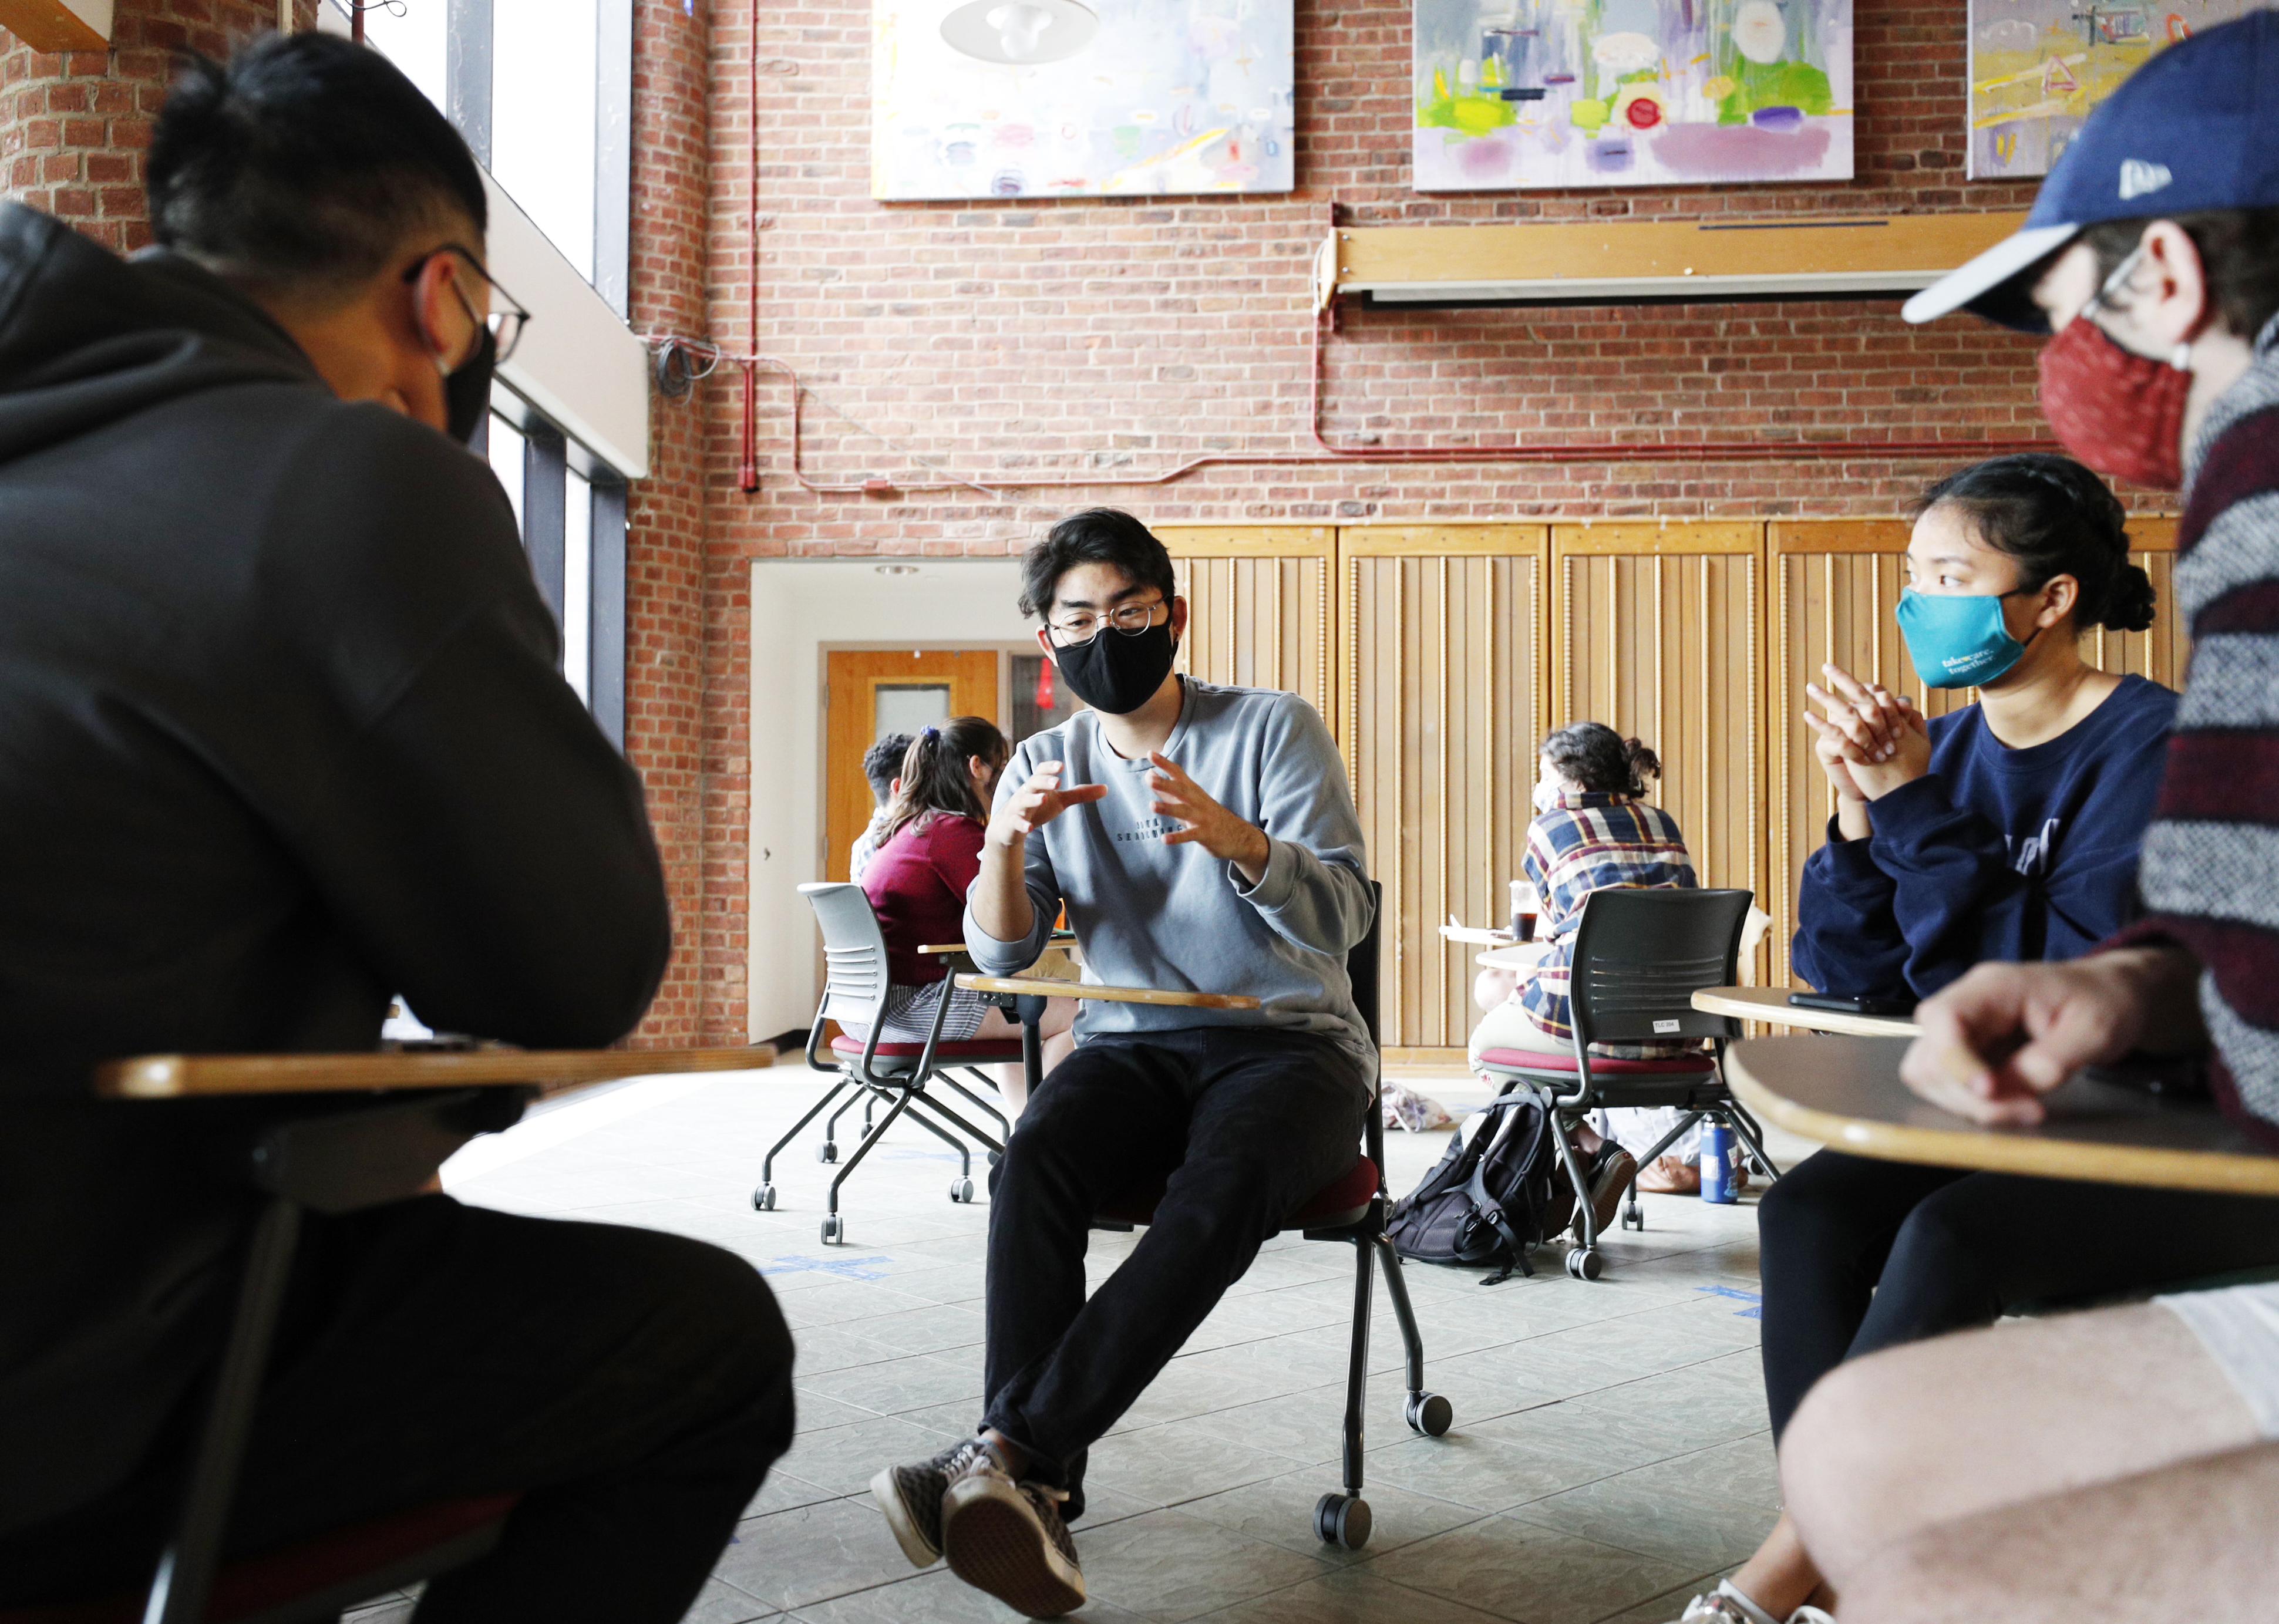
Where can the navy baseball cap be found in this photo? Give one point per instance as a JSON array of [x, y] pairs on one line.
[[2196, 128]]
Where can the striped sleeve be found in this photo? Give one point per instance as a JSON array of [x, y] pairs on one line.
[[2211, 862]]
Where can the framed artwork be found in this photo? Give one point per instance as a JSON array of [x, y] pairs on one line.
[[1512, 94], [2038, 67], [1169, 96]]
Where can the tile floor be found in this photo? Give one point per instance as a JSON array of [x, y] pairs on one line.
[[1610, 1453]]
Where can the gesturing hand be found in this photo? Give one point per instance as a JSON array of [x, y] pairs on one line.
[[1203, 821], [2005, 1034], [1036, 803]]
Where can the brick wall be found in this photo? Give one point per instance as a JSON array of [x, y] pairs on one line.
[[666, 518], [73, 126], [1011, 340]]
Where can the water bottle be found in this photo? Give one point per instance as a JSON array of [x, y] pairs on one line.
[[1719, 1180]]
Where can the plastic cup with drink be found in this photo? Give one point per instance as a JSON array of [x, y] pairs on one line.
[[1524, 909]]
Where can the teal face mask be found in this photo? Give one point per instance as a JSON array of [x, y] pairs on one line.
[[1958, 642]]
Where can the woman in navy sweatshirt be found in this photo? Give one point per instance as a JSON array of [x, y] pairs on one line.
[[2007, 829]]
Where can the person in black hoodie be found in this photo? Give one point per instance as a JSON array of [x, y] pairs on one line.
[[281, 732]]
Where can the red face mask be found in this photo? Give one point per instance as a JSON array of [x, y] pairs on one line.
[[2118, 411]]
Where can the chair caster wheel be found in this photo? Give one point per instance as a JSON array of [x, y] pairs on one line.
[[1582, 1263], [960, 1190], [833, 1230], [826, 1152], [1342, 1520], [764, 1199], [1428, 1413], [1633, 1219]]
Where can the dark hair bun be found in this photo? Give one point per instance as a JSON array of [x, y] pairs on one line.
[[2129, 601], [1593, 755]]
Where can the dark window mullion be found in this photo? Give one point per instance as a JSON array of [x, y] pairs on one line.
[[613, 151], [605, 670], [543, 469], [467, 74]]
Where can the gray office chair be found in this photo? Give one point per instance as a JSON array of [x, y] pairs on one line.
[[1639, 956], [854, 988]]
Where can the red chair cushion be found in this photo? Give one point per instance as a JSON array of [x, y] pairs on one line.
[[997, 1051], [1532, 1060], [255, 1584], [1340, 1200]]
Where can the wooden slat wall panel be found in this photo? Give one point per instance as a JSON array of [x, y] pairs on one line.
[[1442, 704], [1835, 591], [1657, 632], [1259, 601]]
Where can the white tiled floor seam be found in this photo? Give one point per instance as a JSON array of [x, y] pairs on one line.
[[1610, 1456]]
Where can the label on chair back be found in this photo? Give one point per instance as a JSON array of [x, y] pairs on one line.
[[1667, 1026]]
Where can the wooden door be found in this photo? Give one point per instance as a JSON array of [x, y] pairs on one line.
[[870, 692], [1442, 704], [1259, 603], [1835, 588], [1656, 631]]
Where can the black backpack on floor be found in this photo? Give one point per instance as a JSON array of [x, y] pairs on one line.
[[1500, 1189]]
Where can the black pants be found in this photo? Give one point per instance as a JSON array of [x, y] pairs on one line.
[[635, 1386], [1860, 1254], [1248, 1122]]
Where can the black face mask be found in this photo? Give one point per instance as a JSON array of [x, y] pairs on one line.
[[467, 392], [1118, 674]]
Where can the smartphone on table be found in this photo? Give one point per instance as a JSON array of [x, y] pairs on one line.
[[1842, 1003]]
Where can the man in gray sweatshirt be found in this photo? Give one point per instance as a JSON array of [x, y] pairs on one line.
[[1203, 839]]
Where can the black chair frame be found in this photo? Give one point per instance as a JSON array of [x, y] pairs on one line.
[[335, 1161], [1639, 956], [854, 988]]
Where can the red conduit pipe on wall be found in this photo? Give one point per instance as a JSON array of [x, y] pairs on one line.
[[748, 458]]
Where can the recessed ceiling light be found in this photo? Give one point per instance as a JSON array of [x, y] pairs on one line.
[[1020, 32], [895, 569]]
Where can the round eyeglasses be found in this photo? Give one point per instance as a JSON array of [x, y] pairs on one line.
[[1081, 627]]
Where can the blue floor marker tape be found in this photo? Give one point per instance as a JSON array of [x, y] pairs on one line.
[[843, 1268], [1755, 1310]]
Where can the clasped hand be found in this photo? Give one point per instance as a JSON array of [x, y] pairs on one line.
[[1873, 741]]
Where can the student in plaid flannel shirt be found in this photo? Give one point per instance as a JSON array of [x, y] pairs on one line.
[[1592, 830]]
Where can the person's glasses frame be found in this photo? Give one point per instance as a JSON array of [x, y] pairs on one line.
[[1129, 619], [505, 327]]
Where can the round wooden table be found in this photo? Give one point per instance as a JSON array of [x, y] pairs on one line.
[[1771, 1005], [1846, 1093]]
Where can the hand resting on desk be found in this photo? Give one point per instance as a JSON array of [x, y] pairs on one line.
[[2004, 1035]]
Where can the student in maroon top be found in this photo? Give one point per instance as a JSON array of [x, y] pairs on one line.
[[929, 850]]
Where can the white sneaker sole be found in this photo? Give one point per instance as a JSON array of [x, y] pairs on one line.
[[999, 1546], [898, 1518]]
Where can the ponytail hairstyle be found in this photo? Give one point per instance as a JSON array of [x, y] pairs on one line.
[[1604, 762], [2055, 517], [935, 780]]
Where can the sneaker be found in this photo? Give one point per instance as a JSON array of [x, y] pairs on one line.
[[1612, 1175], [910, 1496], [1009, 1539], [1725, 1605]]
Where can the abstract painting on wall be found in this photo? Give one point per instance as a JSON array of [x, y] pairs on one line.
[[2038, 67], [1521, 94], [1169, 97]]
